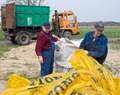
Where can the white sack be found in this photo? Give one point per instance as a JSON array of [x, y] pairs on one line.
[[64, 52]]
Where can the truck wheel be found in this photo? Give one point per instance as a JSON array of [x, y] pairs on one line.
[[23, 39], [68, 35], [13, 40]]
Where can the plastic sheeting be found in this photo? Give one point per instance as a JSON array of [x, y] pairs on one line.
[[90, 78]]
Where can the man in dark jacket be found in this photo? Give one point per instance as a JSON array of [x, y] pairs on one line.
[[95, 43]]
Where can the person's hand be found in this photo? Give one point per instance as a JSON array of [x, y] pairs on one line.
[[55, 36], [40, 58], [60, 41], [86, 51]]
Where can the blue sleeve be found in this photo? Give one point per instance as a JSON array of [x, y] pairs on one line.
[[82, 44], [101, 49]]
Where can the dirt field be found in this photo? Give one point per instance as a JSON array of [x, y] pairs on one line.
[[23, 61]]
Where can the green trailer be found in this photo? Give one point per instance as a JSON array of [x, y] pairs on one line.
[[22, 23]]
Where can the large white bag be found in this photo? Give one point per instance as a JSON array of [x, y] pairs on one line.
[[63, 53]]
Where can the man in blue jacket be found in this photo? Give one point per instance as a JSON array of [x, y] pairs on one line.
[[95, 43]]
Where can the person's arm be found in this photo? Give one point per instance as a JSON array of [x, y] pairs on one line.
[[82, 44], [56, 38], [100, 49], [39, 46]]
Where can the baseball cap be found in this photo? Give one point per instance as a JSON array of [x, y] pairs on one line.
[[46, 24], [99, 26]]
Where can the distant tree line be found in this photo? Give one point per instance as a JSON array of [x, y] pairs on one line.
[[93, 23]]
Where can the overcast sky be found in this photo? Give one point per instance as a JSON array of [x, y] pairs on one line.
[[88, 10]]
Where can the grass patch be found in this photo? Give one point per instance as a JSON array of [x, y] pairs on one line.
[[15, 65], [6, 48], [110, 32], [32, 78], [9, 72], [1, 35], [115, 45], [28, 65], [14, 58]]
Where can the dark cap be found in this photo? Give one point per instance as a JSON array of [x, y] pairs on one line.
[[46, 24], [99, 26]]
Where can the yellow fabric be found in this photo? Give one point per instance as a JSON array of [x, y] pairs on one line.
[[90, 78]]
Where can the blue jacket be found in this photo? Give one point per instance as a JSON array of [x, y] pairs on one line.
[[98, 48]]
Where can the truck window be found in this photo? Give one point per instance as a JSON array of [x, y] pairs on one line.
[[60, 16], [65, 17], [70, 17]]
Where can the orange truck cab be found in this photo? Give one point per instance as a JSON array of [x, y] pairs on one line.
[[64, 24]]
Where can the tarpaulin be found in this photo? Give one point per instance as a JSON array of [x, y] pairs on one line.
[[90, 78]]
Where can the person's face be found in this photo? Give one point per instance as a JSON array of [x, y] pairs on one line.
[[45, 29], [97, 32]]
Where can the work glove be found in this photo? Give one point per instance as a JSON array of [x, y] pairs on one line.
[[86, 52]]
